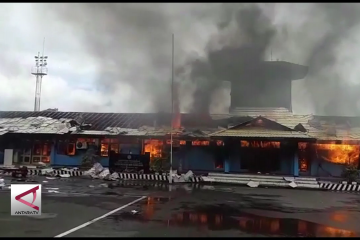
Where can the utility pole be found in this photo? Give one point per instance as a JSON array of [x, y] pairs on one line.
[[39, 71], [172, 108]]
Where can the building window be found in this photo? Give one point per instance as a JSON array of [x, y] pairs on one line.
[[114, 147], [259, 144], [154, 147], [71, 149], [25, 156], [107, 144], [200, 143], [219, 163], [303, 165], [338, 153], [66, 148], [303, 154], [219, 143], [61, 148], [104, 147], [41, 152], [176, 143], [131, 148]]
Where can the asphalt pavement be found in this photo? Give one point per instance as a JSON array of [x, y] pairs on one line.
[[92, 208]]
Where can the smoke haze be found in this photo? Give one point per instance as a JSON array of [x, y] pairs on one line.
[[212, 41]]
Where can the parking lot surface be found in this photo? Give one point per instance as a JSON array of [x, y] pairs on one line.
[[92, 208]]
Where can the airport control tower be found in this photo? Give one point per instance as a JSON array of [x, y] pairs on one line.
[[254, 82], [266, 85]]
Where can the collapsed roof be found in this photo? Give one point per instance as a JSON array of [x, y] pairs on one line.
[[158, 124]]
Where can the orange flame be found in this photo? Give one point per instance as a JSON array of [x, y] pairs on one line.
[[260, 144], [339, 153], [154, 147]]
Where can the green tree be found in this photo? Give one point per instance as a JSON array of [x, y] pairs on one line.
[[351, 173], [89, 158]]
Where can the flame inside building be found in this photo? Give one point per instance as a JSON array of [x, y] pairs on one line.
[[339, 153], [343, 153], [154, 147]]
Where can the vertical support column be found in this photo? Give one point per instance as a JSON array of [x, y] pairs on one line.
[[296, 164], [227, 154], [53, 153], [227, 165]]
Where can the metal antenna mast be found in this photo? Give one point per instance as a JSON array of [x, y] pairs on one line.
[[39, 71], [172, 106]]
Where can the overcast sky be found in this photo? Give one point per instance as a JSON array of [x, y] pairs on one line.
[[74, 82]]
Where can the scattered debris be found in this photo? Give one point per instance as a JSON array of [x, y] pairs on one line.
[[66, 175], [289, 179], [134, 211], [53, 191], [99, 172], [176, 178], [47, 172], [253, 184], [2, 183], [293, 184]]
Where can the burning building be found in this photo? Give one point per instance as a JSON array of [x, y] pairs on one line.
[[259, 135]]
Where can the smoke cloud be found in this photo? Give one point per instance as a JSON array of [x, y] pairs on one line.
[[233, 37]]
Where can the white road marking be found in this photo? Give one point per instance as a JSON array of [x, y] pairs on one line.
[[98, 218]]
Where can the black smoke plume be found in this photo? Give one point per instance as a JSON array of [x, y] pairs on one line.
[[313, 34]]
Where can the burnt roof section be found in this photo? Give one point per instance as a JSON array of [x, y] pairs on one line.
[[288, 70], [100, 121]]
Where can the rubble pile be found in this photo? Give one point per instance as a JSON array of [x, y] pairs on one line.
[[99, 172], [182, 178]]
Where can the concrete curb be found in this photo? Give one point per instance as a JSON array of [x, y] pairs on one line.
[[155, 177], [122, 176], [255, 181], [340, 187], [39, 172]]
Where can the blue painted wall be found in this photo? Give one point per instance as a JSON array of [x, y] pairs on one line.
[[235, 160], [194, 158], [75, 161], [202, 159], [189, 157], [286, 162], [322, 168]]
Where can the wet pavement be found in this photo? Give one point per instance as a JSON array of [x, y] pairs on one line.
[[92, 208]]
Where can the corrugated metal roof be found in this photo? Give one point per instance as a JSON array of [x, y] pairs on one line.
[[93, 132], [100, 121], [38, 125], [132, 124], [259, 133], [153, 132], [255, 112]]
